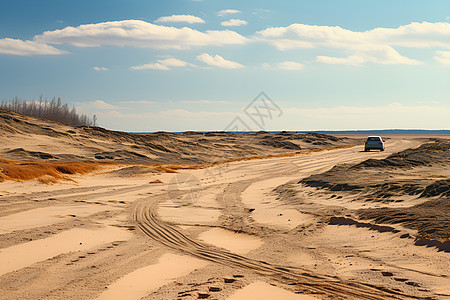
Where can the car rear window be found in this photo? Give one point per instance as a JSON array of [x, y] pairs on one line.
[[373, 139]]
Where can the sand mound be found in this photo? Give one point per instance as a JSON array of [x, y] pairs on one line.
[[349, 221], [431, 219], [372, 176], [133, 170], [280, 144], [20, 152], [41, 140], [122, 156], [438, 188], [427, 154], [378, 180]]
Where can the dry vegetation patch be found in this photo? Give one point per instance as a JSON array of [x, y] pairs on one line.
[[50, 172], [46, 172]]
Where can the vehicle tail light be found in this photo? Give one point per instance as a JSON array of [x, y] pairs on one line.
[[380, 143], [366, 143]]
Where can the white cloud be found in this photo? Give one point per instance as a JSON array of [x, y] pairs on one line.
[[26, 48], [379, 55], [417, 35], [163, 64], [414, 35], [138, 33], [261, 11], [151, 66], [443, 57], [205, 102], [168, 120], [290, 66], [180, 18], [173, 62], [234, 22], [138, 102], [174, 114], [392, 115], [374, 46], [352, 60], [103, 105], [218, 61], [285, 65], [97, 104], [100, 68], [225, 12], [339, 112]]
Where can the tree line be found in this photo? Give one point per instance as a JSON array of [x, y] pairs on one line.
[[53, 110]]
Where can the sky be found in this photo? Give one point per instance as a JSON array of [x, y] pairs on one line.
[[178, 65]]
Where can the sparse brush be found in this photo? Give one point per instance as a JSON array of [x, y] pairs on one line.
[[46, 172]]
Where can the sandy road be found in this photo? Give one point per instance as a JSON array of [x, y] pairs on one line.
[[172, 238], [296, 251], [236, 216]]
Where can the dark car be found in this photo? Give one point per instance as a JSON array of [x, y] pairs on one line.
[[374, 142]]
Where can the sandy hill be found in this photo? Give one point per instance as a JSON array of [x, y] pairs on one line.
[[418, 176], [27, 138]]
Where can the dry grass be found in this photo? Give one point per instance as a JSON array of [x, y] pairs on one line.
[[165, 168], [45, 172]]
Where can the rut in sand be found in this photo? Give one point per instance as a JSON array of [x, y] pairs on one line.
[[148, 222]]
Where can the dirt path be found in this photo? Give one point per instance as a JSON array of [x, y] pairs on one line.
[[236, 216], [297, 252], [167, 235]]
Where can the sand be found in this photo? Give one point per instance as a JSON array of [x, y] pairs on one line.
[[244, 229], [268, 210], [235, 242], [265, 291], [140, 282], [26, 254], [46, 216]]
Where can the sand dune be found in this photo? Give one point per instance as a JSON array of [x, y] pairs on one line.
[[420, 174], [191, 216], [26, 138]]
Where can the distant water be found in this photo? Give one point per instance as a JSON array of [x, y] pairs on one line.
[[367, 132]]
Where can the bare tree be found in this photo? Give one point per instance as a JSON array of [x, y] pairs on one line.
[[53, 110]]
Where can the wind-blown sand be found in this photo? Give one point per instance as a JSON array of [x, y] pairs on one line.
[[282, 228]]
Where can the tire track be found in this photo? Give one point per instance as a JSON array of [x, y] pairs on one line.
[[148, 222]]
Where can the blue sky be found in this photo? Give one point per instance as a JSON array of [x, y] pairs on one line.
[[196, 65]]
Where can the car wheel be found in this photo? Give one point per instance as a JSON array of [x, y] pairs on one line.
[[382, 149], [366, 150]]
